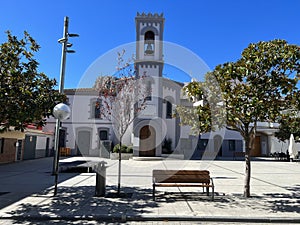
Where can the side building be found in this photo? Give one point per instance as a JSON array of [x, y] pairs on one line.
[[31, 144]]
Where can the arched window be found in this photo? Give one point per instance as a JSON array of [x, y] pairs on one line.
[[96, 109], [169, 110], [149, 43], [149, 90]]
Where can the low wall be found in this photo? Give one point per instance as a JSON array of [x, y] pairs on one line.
[[9, 150]]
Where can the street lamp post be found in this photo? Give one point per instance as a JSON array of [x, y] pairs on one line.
[[61, 112], [65, 45]]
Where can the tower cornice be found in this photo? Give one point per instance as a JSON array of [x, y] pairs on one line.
[[149, 15]]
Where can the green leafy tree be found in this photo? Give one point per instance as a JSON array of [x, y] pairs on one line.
[[288, 126], [257, 87], [26, 95]]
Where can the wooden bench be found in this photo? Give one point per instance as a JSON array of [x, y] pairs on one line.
[[182, 178]]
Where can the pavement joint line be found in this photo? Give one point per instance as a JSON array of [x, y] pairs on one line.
[[75, 184], [186, 201], [252, 177]]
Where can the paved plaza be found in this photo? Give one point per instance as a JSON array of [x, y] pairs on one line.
[[26, 194]]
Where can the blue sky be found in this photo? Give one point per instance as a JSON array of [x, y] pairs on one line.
[[216, 31]]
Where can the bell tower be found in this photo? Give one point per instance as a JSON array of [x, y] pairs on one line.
[[149, 63], [149, 44]]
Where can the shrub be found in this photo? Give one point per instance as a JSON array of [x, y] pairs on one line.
[[129, 149], [124, 149]]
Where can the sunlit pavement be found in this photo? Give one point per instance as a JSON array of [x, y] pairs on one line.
[[26, 190]]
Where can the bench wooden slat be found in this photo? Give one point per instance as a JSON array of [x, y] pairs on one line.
[[181, 185], [180, 172], [182, 179]]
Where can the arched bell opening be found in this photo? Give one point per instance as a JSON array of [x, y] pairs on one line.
[[149, 43]]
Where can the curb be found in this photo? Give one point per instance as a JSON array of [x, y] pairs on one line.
[[124, 218]]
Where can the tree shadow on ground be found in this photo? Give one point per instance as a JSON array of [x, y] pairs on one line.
[[80, 203], [286, 202], [169, 197], [269, 202]]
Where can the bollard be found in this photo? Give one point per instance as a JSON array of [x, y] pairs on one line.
[[100, 179]]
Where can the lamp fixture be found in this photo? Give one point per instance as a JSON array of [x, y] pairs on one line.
[[70, 51], [62, 40], [73, 35]]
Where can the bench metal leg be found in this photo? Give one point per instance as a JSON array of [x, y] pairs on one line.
[[213, 192], [207, 191], [153, 192]]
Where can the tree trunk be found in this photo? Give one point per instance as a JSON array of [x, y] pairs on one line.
[[249, 141], [247, 174], [119, 170]]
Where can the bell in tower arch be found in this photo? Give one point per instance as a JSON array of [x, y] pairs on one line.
[[149, 49], [149, 43]]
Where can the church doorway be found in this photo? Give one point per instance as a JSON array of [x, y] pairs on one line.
[[147, 141], [256, 149]]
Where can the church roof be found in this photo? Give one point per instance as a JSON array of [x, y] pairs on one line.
[[93, 91], [81, 91]]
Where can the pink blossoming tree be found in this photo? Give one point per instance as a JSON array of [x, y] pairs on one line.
[[122, 97]]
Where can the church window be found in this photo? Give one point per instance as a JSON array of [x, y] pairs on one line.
[[231, 145], [149, 43], [169, 110], [202, 143], [149, 90], [103, 135], [96, 109]]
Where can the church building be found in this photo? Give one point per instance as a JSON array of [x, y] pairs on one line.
[[86, 133]]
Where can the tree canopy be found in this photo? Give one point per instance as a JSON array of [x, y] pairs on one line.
[[27, 96], [257, 87], [288, 126]]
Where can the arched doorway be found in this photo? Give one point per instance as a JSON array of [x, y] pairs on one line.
[[83, 142], [256, 148], [147, 141]]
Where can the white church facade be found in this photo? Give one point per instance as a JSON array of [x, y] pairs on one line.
[[86, 133]]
